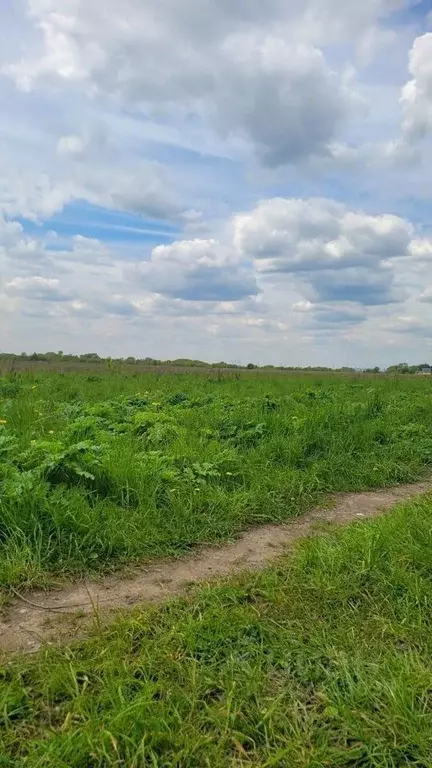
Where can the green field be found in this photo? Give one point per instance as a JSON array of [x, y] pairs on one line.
[[101, 470], [323, 661]]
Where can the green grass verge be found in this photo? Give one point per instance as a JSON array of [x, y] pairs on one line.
[[98, 471], [324, 660]]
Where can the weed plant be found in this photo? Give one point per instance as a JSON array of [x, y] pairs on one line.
[[323, 661], [98, 471]]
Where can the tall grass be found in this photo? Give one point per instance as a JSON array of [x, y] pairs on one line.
[[96, 471], [324, 660]]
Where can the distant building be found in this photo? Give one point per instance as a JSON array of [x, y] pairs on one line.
[[426, 369]]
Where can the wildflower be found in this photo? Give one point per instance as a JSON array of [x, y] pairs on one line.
[[3, 421], [51, 432]]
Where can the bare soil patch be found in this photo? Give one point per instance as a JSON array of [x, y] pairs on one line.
[[40, 617]]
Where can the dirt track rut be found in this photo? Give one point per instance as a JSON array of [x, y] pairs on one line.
[[47, 617]]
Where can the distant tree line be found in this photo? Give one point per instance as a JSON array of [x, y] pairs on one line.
[[405, 368], [93, 357]]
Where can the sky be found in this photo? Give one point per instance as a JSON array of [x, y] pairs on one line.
[[245, 181]]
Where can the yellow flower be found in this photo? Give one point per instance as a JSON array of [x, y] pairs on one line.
[[51, 432], [3, 421]]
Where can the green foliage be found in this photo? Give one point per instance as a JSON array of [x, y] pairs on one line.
[[246, 434], [9, 387], [323, 660], [96, 471]]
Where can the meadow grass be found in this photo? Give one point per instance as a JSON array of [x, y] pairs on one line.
[[101, 470], [323, 660]]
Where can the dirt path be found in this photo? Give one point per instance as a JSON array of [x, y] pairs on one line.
[[65, 613]]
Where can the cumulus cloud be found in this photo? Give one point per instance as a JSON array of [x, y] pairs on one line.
[[329, 315], [34, 196], [79, 41], [57, 149], [253, 70], [160, 110], [19, 249], [336, 254], [198, 270], [259, 74], [212, 286], [421, 249], [290, 235], [283, 98], [416, 98], [365, 286], [37, 288], [142, 187], [409, 325]]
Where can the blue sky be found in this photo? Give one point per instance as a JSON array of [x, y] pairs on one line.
[[239, 181]]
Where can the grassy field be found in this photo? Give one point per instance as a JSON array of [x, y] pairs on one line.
[[324, 660], [101, 470]]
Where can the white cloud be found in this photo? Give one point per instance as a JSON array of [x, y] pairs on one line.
[[142, 187], [311, 265], [421, 248], [289, 235], [253, 70], [368, 287], [70, 145], [281, 97], [334, 315], [161, 110], [413, 326], [36, 288], [416, 98], [426, 295], [58, 148], [198, 270]]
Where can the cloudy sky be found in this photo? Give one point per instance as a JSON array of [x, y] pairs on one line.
[[245, 180]]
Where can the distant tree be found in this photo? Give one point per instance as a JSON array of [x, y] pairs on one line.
[[90, 356], [399, 368], [250, 366]]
